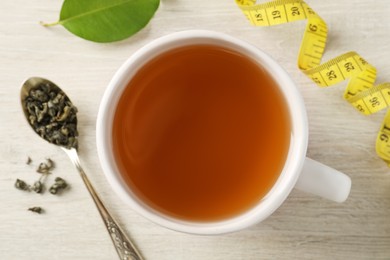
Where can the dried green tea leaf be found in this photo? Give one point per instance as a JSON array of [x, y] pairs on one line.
[[38, 210], [45, 167], [58, 185], [28, 162], [37, 187], [21, 185], [106, 21]]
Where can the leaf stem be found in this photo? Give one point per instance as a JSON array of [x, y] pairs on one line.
[[49, 24]]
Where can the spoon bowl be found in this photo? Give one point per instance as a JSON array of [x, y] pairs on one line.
[[49, 112]]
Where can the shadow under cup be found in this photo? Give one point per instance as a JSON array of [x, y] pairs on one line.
[[189, 130]]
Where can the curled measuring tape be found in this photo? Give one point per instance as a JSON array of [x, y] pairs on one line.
[[360, 92]]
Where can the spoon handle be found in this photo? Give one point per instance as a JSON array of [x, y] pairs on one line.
[[123, 245]]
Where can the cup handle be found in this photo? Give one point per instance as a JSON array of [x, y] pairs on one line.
[[321, 180]]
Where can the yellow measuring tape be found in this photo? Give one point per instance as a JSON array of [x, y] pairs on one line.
[[360, 91]]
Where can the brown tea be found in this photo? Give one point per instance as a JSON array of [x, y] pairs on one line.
[[201, 133]]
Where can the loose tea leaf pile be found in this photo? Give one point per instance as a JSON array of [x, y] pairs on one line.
[[52, 115], [44, 169]]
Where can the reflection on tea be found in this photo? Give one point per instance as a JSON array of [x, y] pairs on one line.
[[201, 133]]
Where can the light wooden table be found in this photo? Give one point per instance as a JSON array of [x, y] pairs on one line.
[[304, 227]]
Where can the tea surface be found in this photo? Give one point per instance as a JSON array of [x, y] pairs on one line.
[[201, 133]]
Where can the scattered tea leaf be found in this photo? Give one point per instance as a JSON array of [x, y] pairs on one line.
[[37, 187], [58, 185], [38, 210], [50, 163], [28, 162], [106, 21], [45, 167], [21, 185]]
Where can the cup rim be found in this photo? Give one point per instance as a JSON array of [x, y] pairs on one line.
[[293, 165]]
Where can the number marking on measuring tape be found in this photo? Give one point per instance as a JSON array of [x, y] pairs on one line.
[[360, 91]]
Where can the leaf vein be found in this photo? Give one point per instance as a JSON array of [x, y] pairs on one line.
[[92, 12]]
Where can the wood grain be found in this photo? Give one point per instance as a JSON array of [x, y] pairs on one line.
[[304, 227]]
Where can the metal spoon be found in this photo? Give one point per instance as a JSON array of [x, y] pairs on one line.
[[124, 247]]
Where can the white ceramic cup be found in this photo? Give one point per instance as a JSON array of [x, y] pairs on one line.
[[299, 171]]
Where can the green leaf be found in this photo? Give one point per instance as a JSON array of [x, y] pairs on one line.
[[106, 20]]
